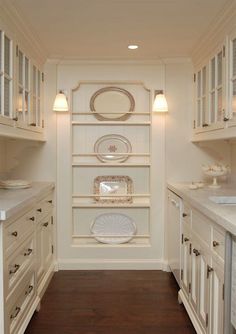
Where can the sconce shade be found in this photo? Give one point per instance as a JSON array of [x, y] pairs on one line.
[[60, 103], [160, 103]]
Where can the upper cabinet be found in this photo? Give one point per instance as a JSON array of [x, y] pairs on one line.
[[215, 93], [21, 86], [232, 78]]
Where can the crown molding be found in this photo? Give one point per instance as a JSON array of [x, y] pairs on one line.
[[12, 17], [215, 34], [151, 62]]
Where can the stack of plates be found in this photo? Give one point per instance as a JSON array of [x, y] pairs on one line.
[[15, 184]]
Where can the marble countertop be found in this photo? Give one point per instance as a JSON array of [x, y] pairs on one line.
[[223, 214], [12, 201]]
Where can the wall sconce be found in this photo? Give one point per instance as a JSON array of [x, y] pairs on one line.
[[160, 103], [60, 103]]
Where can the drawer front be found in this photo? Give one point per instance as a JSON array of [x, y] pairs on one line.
[[17, 231], [19, 303], [202, 227], [18, 264], [218, 243], [44, 207]]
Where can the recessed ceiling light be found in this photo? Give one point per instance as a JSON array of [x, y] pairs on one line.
[[132, 47]]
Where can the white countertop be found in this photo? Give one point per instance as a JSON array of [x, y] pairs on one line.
[[223, 215], [12, 201]]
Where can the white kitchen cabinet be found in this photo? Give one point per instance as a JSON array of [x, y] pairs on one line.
[[27, 263], [202, 279], [232, 79]]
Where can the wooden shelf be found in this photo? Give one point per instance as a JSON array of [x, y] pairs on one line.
[[99, 123], [92, 113], [77, 164], [115, 154], [112, 205]]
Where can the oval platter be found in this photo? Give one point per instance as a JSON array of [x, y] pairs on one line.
[[113, 228], [112, 104], [107, 145]]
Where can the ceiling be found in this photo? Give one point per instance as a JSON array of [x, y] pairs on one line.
[[102, 29]]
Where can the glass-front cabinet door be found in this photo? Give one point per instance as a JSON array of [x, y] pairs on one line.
[[36, 114], [232, 80], [202, 117], [6, 79]]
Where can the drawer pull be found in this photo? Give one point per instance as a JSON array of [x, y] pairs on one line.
[[28, 252], [50, 201], [39, 210], [215, 243], [15, 234], [32, 218], [186, 239], [209, 270], [15, 314], [16, 268], [184, 215], [29, 290], [196, 252], [45, 224]]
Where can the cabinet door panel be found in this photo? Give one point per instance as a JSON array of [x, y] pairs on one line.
[[194, 291], [204, 270], [217, 302]]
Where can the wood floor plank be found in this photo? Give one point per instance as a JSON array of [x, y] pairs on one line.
[[111, 302]]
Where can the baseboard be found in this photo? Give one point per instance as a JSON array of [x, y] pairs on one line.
[[29, 316], [190, 312], [111, 264]]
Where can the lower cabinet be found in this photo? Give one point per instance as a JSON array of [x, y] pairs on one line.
[[27, 264], [202, 274]]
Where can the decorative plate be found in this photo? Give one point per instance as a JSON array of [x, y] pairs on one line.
[[113, 228], [112, 103], [110, 186], [112, 148], [15, 184]]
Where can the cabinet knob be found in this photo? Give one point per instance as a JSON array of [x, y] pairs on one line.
[[196, 252], [50, 201], [209, 270], [215, 243], [32, 218], [28, 252], [226, 119], [15, 314], [32, 124], [16, 268], [204, 125], [184, 214], [186, 239], [15, 118], [39, 210], [15, 234], [45, 224]]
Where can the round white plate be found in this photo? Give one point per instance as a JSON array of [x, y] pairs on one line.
[[113, 228], [107, 145]]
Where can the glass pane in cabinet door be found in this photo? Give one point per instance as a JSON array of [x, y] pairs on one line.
[[27, 73], [204, 81], [20, 103], [6, 97], [1, 94], [7, 55], [204, 116], [219, 68], [38, 113], [34, 80], [20, 79], [212, 108], [219, 105], [213, 73], [199, 84], [38, 84], [234, 99], [26, 105], [33, 112], [0, 50], [198, 113], [234, 57]]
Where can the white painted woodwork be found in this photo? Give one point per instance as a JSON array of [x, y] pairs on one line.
[[202, 289], [27, 263]]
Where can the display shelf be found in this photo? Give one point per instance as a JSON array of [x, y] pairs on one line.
[[116, 195], [107, 164], [91, 113], [115, 154], [99, 123], [89, 241]]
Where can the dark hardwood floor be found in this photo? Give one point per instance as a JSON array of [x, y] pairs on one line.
[[111, 302]]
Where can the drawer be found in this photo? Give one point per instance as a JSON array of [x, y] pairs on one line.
[[17, 231], [202, 227], [18, 264], [218, 243], [44, 207], [18, 305]]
